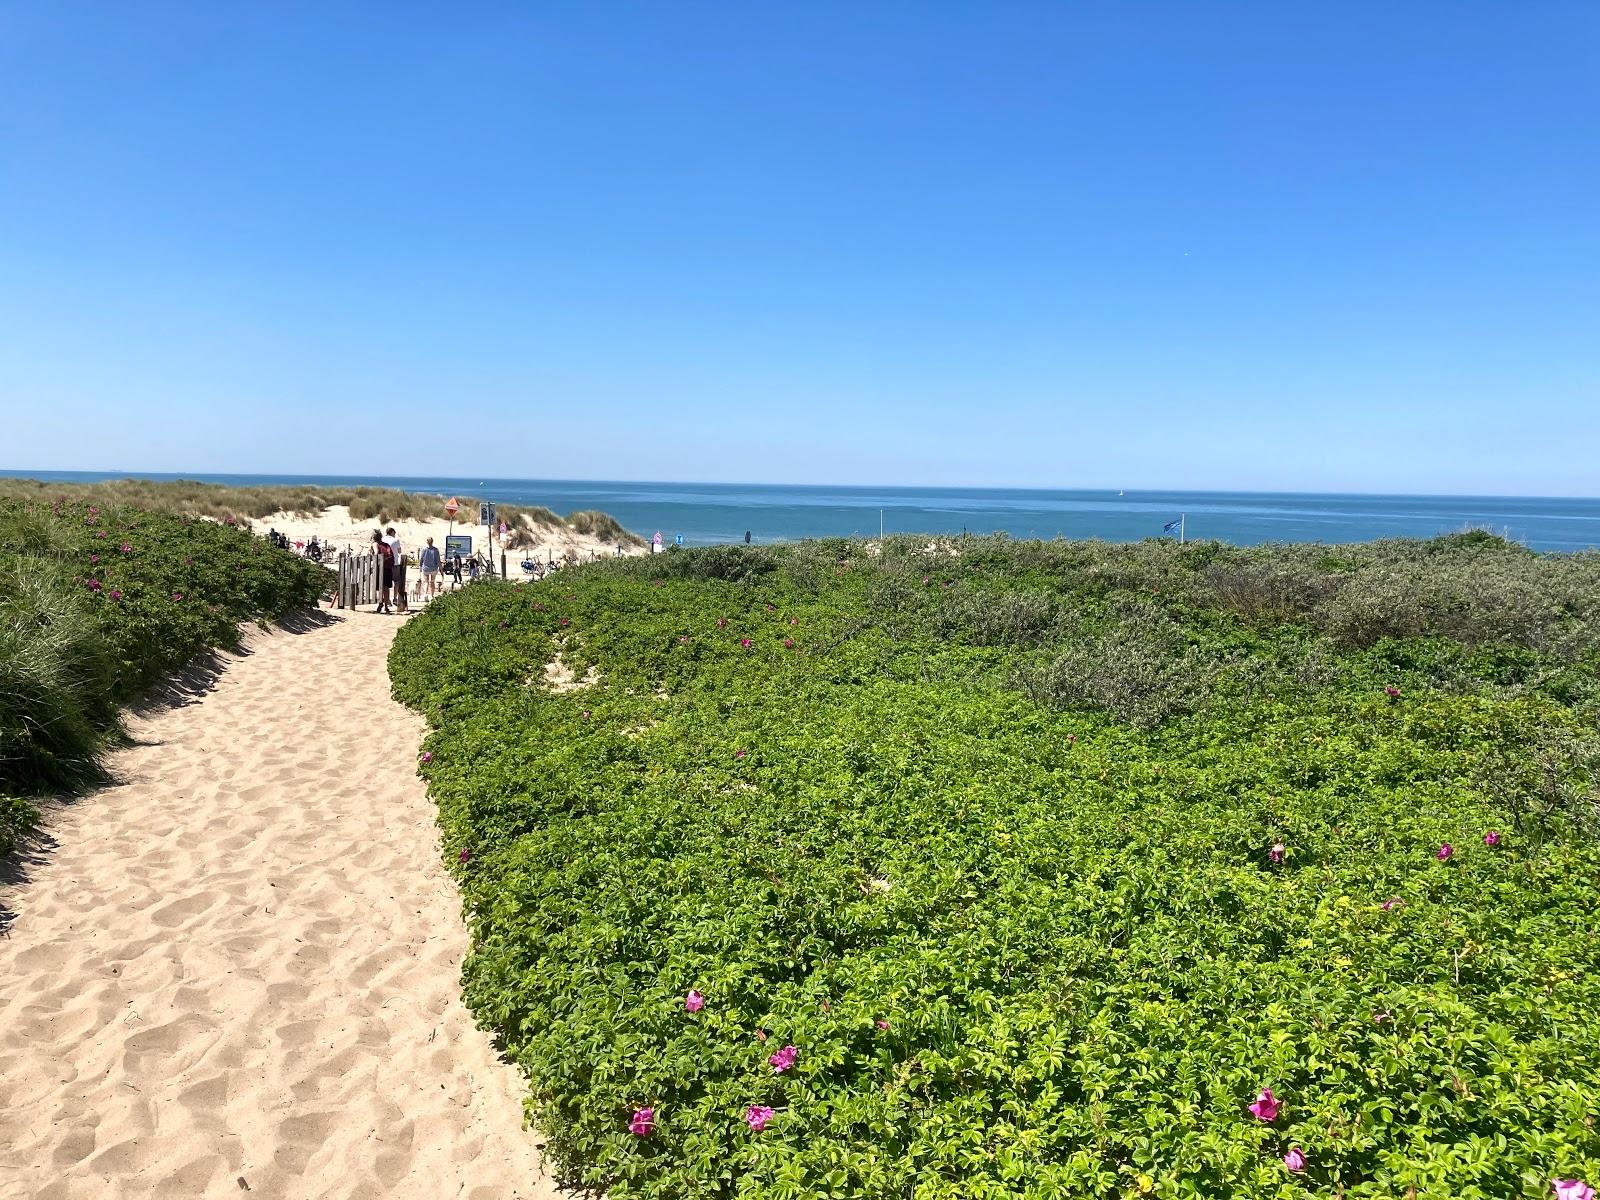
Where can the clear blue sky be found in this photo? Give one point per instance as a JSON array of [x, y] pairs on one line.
[[1266, 245]]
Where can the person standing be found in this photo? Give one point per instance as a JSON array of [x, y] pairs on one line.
[[385, 571], [399, 555], [429, 562]]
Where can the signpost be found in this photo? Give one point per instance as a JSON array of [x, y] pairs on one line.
[[656, 543], [458, 543], [452, 508], [677, 539]]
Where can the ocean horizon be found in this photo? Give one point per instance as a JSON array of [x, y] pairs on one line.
[[711, 513]]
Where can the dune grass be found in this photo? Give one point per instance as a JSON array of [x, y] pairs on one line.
[[220, 501], [98, 603]]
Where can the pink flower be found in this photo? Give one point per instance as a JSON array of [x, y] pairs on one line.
[[881, 1023], [464, 857], [926, 581], [788, 643], [784, 1059], [738, 753], [1492, 838], [177, 597], [427, 756], [722, 622], [537, 607], [1266, 1106], [694, 1001], [127, 548], [1392, 902], [566, 620], [101, 534], [94, 585], [584, 714], [643, 1123], [94, 558], [684, 638], [115, 594], [794, 620], [745, 643], [1445, 851], [1573, 1189], [1276, 853], [1294, 1160], [1392, 692], [757, 1116]]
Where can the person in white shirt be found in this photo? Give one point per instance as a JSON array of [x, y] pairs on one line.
[[399, 567]]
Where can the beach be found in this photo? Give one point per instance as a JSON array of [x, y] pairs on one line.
[[335, 526], [236, 968]]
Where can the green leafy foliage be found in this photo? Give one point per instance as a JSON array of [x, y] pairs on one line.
[[96, 605], [986, 831]]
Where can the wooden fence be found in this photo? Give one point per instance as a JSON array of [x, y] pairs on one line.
[[360, 578]]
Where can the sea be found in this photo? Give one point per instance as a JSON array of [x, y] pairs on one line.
[[698, 514]]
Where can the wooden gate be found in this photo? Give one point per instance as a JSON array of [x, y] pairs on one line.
[[360, 578]]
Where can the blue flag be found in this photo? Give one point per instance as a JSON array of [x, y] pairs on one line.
[[1171, 525]]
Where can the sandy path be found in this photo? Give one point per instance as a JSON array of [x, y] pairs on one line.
[[242, 962]]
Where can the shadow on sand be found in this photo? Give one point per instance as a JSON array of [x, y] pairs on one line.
[[189, 686]]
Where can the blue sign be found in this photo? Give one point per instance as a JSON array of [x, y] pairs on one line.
[[458, 543], [677, 539]]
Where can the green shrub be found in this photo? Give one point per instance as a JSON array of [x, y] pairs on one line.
[[992, 845], [96, 605]]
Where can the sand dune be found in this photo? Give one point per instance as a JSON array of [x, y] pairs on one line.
[[241, 963]]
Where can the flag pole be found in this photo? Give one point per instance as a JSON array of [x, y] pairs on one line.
[[1182, 517]]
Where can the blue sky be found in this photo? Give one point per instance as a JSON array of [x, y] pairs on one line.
[[1276, 246]]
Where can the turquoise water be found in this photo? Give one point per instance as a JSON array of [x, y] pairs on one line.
[[721, 512]]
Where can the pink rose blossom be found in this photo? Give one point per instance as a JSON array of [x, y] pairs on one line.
[[744, 642], [1573, 1189], [115, 594], [694, 1001], [794, 620], [738, 753], [427, 756], [177, 597], [722, 622], [881, 1023], [464, 857], [1392, 692], [1445, 851], [126, 548], [566, 620], [1492, 838], [94, 558], [94, 585], [757, 1116], [788, 643], [784, 1059], [1276, 853], [1266, 1106], [643, 1123], [1294, 1160], [101, 534]]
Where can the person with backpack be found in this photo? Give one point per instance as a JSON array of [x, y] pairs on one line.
[[385, 571]]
